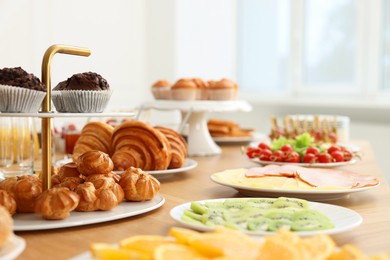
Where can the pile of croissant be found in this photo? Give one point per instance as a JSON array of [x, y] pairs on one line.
[[89, 184], [134, 144]]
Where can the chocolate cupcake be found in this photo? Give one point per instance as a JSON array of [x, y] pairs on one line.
[[20, 92], [86, 92]]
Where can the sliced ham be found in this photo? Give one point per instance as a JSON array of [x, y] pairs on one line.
[[315, 177]]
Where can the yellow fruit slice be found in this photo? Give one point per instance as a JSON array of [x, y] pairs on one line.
[[380, 256], [220, 244], [317, 247], [349, 252], [275, 248], [144, 243], [120, 254], [176, 252], [96, 247], [182, 235]]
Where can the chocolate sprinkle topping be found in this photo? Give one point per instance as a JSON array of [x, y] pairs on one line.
[[84, 81]]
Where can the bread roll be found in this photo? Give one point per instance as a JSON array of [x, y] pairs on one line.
[[94, 162], [6, 225], [139, 185], [26, 189], [138, 144], [7, 201], [56, 203], [178, 147]]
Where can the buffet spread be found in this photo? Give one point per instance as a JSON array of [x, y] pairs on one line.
[[123, 172]]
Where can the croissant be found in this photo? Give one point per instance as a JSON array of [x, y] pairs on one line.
[[178, 145], [26, 189], [56, 203], [6, 226], [94, 162], [7, 201], [94, 136], [138, 144], [139, 185]]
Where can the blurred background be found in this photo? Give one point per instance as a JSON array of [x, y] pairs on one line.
[[289, 57]]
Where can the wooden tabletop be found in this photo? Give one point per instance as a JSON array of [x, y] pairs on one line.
[[372, 236]]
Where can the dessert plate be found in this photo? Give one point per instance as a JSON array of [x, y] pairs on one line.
[[188, 165], [317, 195], [318, 165], [243, 139], [28, 221], [343, 218], [12, 248]]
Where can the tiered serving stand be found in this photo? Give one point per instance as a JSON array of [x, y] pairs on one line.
[[200, 142], [47, 114]]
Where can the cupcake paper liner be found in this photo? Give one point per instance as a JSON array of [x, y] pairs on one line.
[[58, 101], [83, 101], [14, 99]]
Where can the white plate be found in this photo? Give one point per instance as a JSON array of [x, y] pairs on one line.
[[12, 248], [319, 165], [343, 218], [188, 165], [243, 139], [317, 195], [29, 221]]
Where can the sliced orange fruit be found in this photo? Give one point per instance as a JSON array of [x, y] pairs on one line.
[[176, 252], [182, 235], [119, 254], [275, 248], [348, 252], [144, 243], [317, 247]]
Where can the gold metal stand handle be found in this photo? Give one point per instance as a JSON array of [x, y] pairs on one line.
[[46, 105]]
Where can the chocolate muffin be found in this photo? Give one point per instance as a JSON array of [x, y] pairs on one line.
[[84, 81], [20, 91], [86, 92]]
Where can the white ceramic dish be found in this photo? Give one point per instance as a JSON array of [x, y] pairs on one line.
[[188, 165], [317, 195], [12, 248], [26, 222], [343, 218], [317, 165]]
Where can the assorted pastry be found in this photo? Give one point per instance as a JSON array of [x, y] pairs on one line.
[[134, 144], [227, 128], [195, 89], [86, 92], [89, 184]]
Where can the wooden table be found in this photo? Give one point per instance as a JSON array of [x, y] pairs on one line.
[[372, 236]]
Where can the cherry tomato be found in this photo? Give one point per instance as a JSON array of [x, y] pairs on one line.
[[277, 156], [286, 148], [333, 137], [252, 152], [309, 158], [334, 148], [264, 146], [265, 154], [324, 158], [292, 157], [337, 156], [347, 155], [314, 150]]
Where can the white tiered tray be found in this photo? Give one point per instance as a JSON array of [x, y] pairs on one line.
[[200, 143]]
